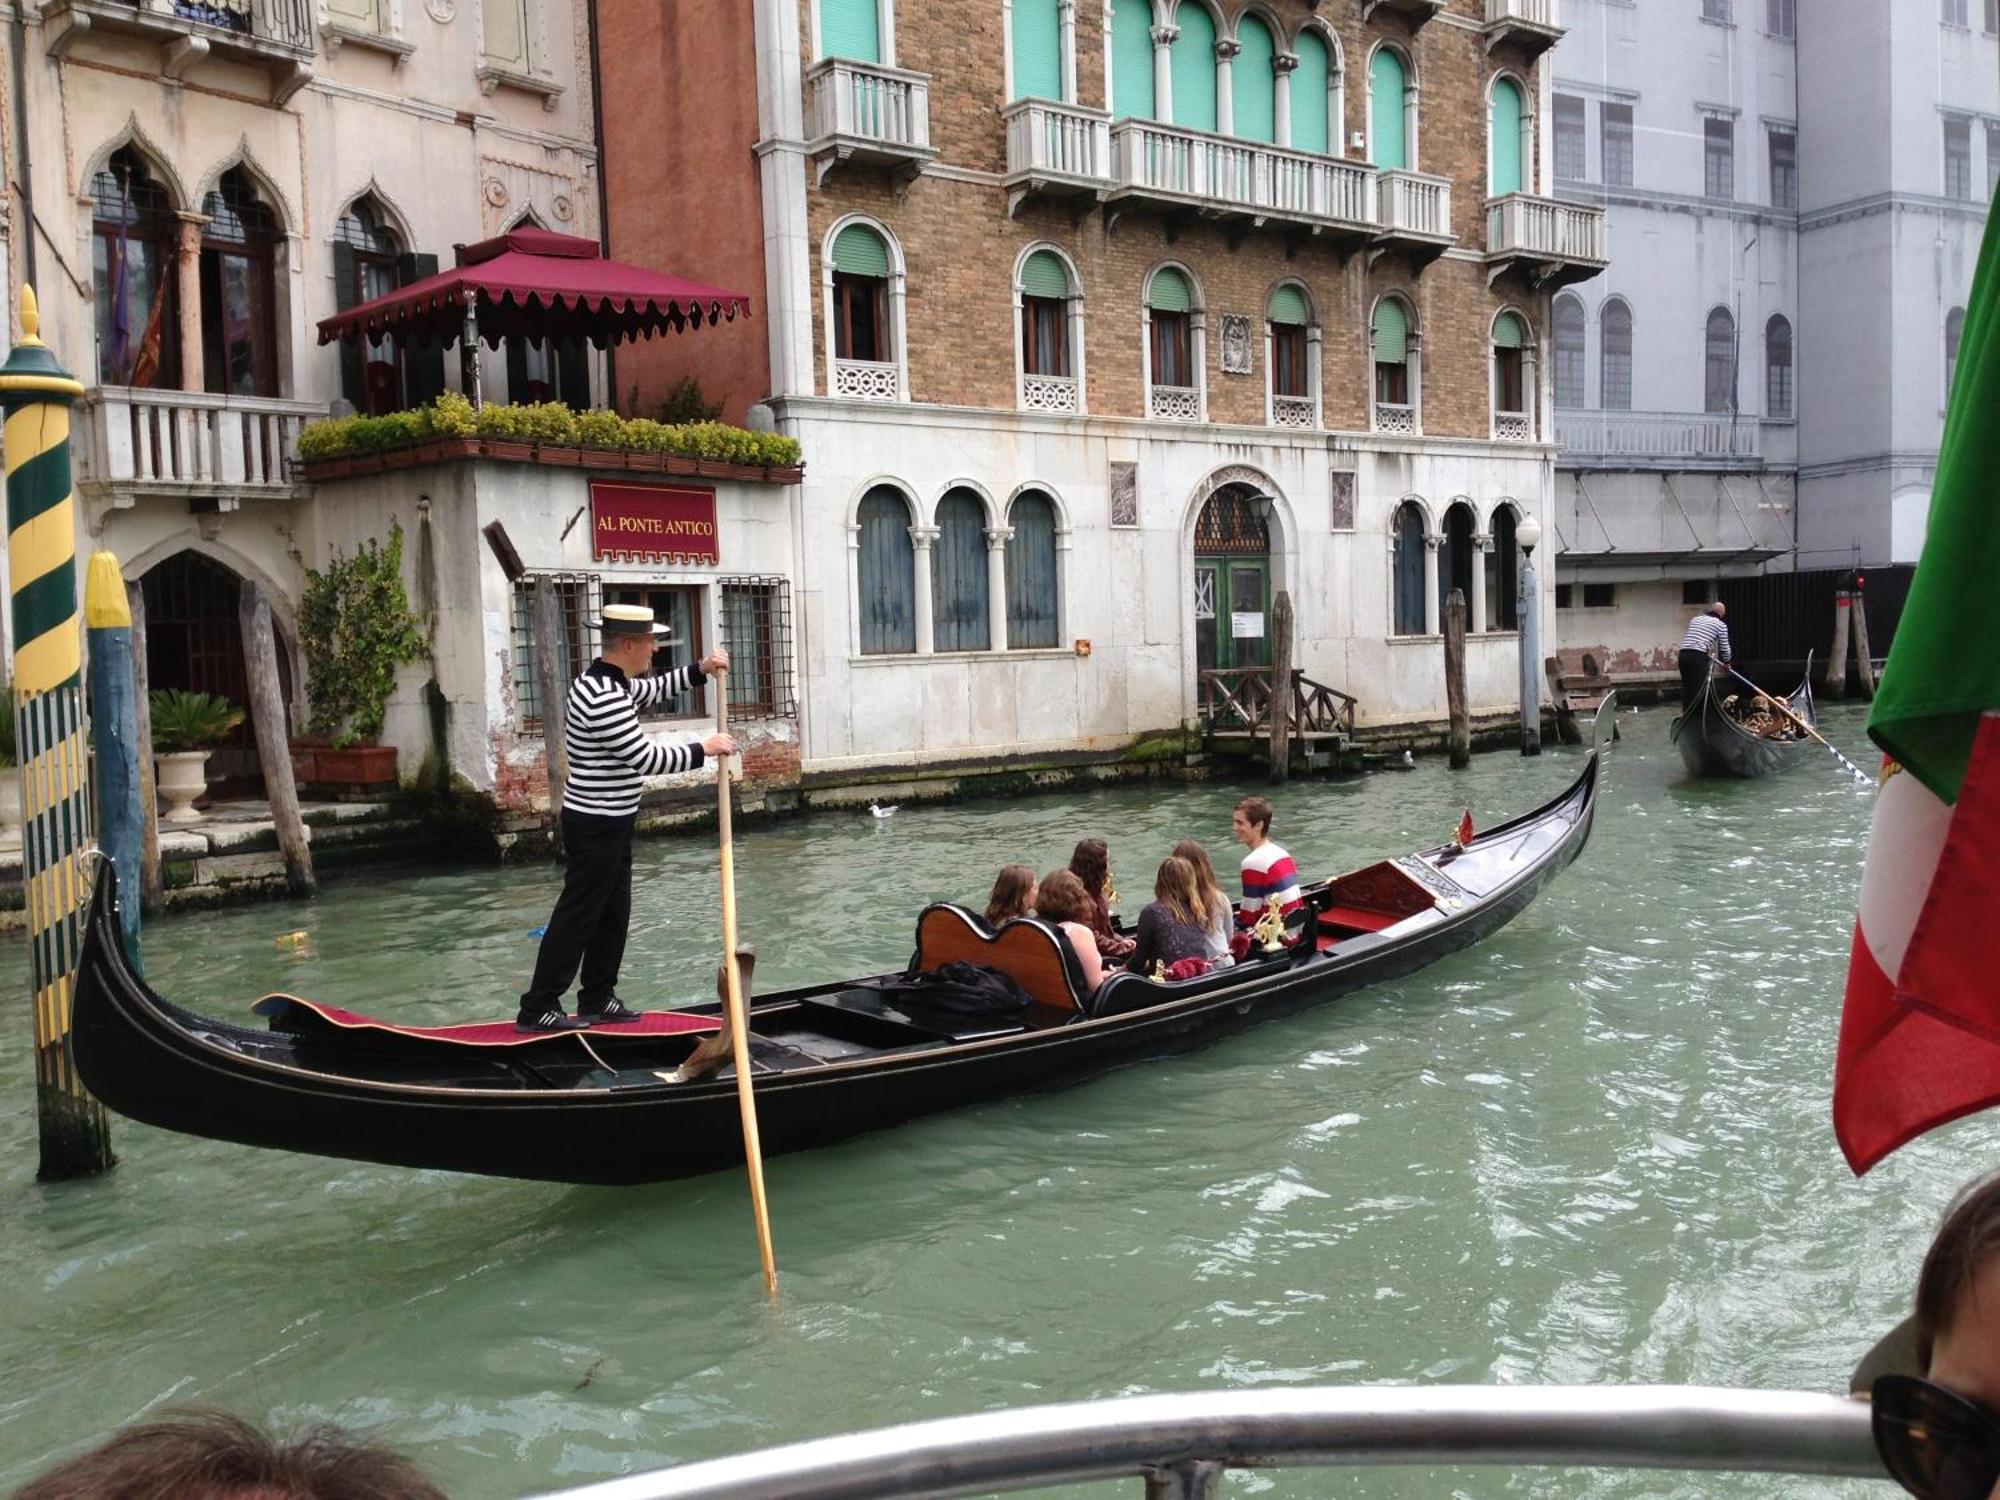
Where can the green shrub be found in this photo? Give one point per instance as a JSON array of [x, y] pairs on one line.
[[685, 403], [356, 625], [550, 422], [190, 721]]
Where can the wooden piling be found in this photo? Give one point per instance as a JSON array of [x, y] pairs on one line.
[[152, 883], [1567, 729], [1454, 680], [1835, 685], [121, 821], [1864, 664], [1281, 687], [550, 686], [274, 752]]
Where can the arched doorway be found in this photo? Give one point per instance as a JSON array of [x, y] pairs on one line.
[[194, 641], [1232, 580]]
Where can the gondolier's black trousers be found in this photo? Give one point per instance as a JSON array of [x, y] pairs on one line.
[[591, 915], [1695, 667]]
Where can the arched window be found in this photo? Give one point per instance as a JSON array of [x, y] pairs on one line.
[[1172, 348], [1954, 332], [1048, 363], [1614, 376], [1253, 82], [1513, 397], [1311, 81], [1394, 356], [851, 29], [1388, 143], [1719, 368], [1407, 543], [960, 605], [1291, 365], [1503, 609], [239, 321], [861, 284], [1569, 330], [1194, 68], [1036, 39], [1132, 60], [369, 261], [1778, 368], [1031, 573], [1504, 117], [1455, 559], [133, 232], [887, 574]]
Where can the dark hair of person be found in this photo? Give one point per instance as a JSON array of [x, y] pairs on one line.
[[1090, 862], [212, 1455], [1967, 1240], [1213, 902], [1256, 812], [1062, 898], [1013, 894], [1174, 887]]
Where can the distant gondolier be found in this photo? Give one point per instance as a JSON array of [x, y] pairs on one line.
[[1706, 642], [608, 757]]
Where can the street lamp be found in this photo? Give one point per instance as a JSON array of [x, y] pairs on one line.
[[1528, 611]]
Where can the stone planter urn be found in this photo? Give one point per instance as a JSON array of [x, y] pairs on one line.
[[182, 776]]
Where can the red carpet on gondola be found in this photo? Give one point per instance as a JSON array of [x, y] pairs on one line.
[[303, 1017]]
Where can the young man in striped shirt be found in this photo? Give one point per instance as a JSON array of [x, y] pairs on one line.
[[1267, 869], [608, 757], [1707, 640]]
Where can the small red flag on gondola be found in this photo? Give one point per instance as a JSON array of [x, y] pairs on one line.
[[1465, 829]]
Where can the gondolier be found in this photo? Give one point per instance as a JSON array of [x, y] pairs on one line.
[[1706, 641], [608, 756]]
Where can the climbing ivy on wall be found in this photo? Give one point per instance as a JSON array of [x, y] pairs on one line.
[[356, 624]]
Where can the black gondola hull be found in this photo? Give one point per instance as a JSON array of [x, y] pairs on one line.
[[156, 1063], [1711, 743]]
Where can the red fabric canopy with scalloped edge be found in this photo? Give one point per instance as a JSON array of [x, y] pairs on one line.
[[539, 284]]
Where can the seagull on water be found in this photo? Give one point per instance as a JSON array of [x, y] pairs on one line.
[[882, 812]]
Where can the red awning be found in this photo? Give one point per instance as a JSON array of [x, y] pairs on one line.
[[541, 284]]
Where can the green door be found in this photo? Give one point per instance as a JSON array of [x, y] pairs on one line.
[[1385, 111], [1504, 134], [1232, 612]]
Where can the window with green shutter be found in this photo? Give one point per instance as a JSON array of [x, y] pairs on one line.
[[860, 251], [861, 295], [1132, 60], [1194, 69], [1504, 139], [1044, 275], [1037, 41], [1510, 389], [1253, 86], [1391, 340], [1386, 83], [1045, 293], [1288, 305], [1291, 373], [1509, 332], [1310, 82], [850, 28], [1170, 292], [887, 575]]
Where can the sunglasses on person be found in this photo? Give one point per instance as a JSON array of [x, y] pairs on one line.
[[1935, 1443]]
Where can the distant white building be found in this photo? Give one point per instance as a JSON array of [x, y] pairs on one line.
[[1795, 197]]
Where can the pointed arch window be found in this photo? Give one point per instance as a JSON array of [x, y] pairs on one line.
[[239, 322], [1032, 621], [1569, 332], [369, 261], [1614, 376], [1778, 368], [886, 574], [1407, 546], [137, 302]]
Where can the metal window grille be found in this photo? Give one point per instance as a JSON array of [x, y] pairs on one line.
[[578, 595], [757, 633]]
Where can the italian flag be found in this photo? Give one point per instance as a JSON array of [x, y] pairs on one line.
[[1920, 1028]]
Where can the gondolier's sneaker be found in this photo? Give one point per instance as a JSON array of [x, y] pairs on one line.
[[552, 1019], [610, 1013]]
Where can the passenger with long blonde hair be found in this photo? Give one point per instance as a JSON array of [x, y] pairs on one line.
[[1217, 913], [1013, 895], [1174, 925]]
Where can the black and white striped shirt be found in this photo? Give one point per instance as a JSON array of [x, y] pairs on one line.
[[608, 753], [1708, 635]]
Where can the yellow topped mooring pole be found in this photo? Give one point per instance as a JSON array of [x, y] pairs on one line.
[[36, 393]]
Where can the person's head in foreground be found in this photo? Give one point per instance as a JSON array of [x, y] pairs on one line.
[[211, 1455], [1937, 1419]]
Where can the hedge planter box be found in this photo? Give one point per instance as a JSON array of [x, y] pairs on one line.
[[506, 450]]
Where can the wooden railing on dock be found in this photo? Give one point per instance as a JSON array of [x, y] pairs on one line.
[[1236, 703]]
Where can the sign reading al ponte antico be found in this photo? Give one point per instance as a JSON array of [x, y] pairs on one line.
[[654, 523]]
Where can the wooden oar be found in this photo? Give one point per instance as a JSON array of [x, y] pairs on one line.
[[739, 1020], [1785, 708]]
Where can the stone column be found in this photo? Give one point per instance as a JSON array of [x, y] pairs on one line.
[[1284, 64], [1225, 84], [997, 538], [187, 287], [921, 538], [1066, 24], [1482, 547], [1531, 393], [1163, 72], [1431, 545]]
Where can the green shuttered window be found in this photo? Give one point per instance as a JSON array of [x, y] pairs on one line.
[[1043, 275], [1252, 82], [888, 566], [1170, 292], [1132, 60], [860, 251], [1031, 573], [1037, 40], [1288, 305], [850, 28], [1504, 136], [1194, 69], [1385, 111], [1392, 332], [1310, 81], [1508, 332], [958, 575]]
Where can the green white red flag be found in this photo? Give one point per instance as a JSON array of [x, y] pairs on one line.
[[1920, 1027]]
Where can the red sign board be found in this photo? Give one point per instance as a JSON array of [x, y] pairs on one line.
[[652, 523]]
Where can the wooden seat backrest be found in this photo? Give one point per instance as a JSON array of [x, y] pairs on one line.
[[1027, 951]]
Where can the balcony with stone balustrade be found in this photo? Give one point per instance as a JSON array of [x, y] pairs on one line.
[[1244, 184], [1552, 242], [1414, 217], [1060, 151], [274, 37], [221, 451], [868, 114], [1531, 26], [1415, 13]]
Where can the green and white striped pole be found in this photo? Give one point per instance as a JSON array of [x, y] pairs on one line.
[[35, 393]]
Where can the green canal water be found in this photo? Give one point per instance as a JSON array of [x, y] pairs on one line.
[[1594, 1149]]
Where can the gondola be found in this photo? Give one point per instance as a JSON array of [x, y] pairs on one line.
[[1714, 744], [830, 1060]]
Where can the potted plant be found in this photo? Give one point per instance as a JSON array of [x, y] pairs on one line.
[[10, 779], [186, 726], [357, 628]]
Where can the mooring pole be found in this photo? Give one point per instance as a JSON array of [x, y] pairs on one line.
[[152, 883], [1454, 680], [1530, 615], [1281, 686], [114, 726], [272, 732], [1864, 663], [36, 393], [1835, 685]]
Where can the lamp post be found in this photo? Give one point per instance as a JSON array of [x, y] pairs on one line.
[[1528, 611]]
